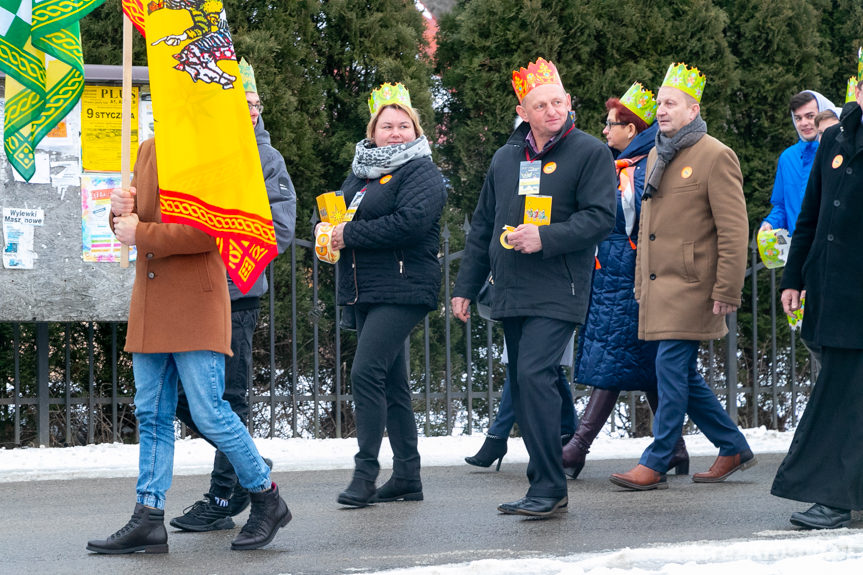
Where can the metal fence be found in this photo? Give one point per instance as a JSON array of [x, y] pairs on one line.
[[80, 390]]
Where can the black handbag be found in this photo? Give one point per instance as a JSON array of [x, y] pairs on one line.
[[484, 299]]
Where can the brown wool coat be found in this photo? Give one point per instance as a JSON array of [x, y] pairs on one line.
[[180, 297], [692, 244]]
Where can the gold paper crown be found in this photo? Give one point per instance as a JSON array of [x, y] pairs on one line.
[[537, 74], [688, 80], [248, 76], [389, 94], [640, 102]]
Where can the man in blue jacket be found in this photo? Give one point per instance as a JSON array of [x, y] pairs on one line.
[[226, 496], [541, 273], [792, 171]]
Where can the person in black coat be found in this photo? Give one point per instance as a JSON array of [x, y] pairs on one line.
[[825, 463], [389, 274], [541, 272]]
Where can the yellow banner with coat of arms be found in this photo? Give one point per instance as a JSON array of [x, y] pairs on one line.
[[209, 169]]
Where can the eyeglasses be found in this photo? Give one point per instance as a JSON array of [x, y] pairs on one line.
[[259, 107], [609, 123]]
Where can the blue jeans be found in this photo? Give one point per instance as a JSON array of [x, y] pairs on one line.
[[203, 375], [505, 417], [682, 390], [238, 368]]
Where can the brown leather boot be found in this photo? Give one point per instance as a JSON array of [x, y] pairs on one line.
[[640, 478], [599, 407], [725, 465]]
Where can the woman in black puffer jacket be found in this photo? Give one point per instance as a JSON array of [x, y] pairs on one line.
[[390, 275]]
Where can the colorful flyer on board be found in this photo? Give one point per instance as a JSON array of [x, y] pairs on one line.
[[97, 240]]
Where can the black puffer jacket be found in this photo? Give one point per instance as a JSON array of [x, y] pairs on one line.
[[391, 246]]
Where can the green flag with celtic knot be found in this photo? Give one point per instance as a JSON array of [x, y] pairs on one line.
[[40, 90]]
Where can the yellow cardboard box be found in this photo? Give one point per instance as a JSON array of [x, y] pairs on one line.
[[537, 210], [331, 207]]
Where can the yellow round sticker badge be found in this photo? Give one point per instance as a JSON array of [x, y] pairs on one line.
[[837, 161], [549, 167], [686, 172], [386, 179]]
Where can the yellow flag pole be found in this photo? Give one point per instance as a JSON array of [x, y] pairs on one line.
[[126, 130]]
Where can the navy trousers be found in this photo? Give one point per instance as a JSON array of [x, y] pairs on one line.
[[683, 391], [535, 346]]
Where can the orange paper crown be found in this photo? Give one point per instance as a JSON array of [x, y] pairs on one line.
[[537, 74]]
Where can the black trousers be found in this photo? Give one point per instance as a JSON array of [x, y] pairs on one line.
[[223, 478], [535, 345], [825, 462], [382, 395]]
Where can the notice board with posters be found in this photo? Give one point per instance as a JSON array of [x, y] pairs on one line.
[[59, 258]]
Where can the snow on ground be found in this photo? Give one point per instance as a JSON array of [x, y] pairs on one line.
[[769, 553], [195, 456], [772, 553]]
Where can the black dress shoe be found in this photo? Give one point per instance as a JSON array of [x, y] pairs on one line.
[[821, 517], [534, 506]]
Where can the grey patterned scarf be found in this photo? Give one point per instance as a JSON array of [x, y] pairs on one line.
[[372, 162], [667, 148]]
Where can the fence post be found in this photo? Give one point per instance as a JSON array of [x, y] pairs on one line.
[[731, 366], [42, 368]]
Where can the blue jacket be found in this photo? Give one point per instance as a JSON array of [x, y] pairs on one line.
[[610, 355], [792, 173]]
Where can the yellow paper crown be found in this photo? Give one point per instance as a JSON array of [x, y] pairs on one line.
[[688, 80], [248, 76], [640, 102], [537, 74], [389, 94]]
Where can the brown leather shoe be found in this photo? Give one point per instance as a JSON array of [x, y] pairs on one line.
[[724, 466], [640, 478]]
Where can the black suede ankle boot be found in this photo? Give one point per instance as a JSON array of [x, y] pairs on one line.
[[359, 493], [145, 532], [395, 489]]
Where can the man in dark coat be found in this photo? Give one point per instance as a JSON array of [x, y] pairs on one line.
[[825, 462], [541, 273]]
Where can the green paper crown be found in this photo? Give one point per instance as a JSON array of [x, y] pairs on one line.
[[859, 64], [850, 93], [640, 102], [689, 80], [389, 94], [248, 76]]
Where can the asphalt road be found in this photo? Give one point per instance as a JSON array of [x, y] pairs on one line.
[[45, 525]]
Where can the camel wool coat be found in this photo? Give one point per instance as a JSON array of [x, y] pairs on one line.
[[180, 298], [692, 244]]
